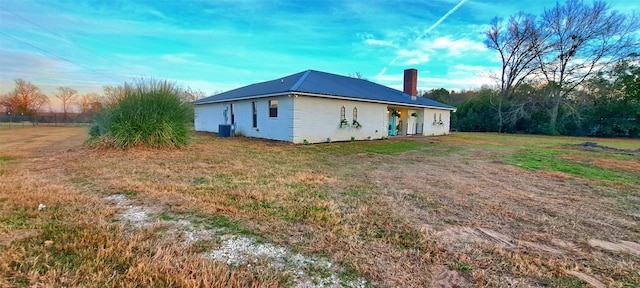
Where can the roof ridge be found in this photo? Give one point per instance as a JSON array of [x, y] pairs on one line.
[[299, 82]]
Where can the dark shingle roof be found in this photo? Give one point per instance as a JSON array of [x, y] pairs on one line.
[[324, 84]]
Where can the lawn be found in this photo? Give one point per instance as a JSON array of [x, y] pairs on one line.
[[464, 210]]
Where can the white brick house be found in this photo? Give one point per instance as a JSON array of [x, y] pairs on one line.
[[313, 107]]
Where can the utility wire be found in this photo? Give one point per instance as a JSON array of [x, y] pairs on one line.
[[58, 56], [68, 40]]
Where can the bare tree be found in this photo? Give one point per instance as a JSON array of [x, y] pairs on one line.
[[112, 95], [190, 95], [86, 102], [26, 99], [67, 96], [357, 75], [518, 42], [582, 40]]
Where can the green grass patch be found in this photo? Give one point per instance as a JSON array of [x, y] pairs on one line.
[[6, 159], [549, 160], [462, 267], [544, 140], [566, 283], [129, 194], [166, 217], [16, 220]]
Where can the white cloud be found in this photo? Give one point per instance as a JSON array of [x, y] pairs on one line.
[[413, 57], [452, 47], [158, 14], [369, 39], [376, 42], [471, 68]]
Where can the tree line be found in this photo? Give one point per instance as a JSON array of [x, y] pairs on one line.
[[574, 70], [27, 99]]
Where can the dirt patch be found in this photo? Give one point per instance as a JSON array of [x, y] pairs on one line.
[[474, 206], [17, 235], [443, 277], [456, 235], [238, 251], [621, 246], [586, 278]]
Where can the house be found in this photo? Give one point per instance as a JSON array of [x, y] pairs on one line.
[[313, 106]]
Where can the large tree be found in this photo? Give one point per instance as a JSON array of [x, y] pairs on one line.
[[583, 39], [67, 96], [518, 41], [26, 99]]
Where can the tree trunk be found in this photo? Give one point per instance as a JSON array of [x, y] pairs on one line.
[[553, 114], [500, 116]]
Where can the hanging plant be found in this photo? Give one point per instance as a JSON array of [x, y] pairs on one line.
[[395, 113], [414, 114]]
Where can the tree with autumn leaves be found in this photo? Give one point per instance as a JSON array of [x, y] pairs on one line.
[[25, 99]]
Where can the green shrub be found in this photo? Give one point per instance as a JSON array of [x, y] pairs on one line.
[[150, 113]]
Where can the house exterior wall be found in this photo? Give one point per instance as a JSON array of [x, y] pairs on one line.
[[209, 116], [274, 128], [433, 127], [316, 119]]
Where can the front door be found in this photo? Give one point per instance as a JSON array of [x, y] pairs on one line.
[[392, 122]]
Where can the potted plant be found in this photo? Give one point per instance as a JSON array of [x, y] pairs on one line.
[[344, 123]]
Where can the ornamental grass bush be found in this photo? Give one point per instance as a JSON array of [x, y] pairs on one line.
[[148, 113]]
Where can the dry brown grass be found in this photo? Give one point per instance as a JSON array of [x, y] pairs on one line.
[[74, 241], [446, 212], [628, 165]]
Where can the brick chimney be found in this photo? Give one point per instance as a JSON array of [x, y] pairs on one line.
[[411, 82]]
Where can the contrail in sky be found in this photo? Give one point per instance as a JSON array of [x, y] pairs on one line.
[[441, 19], [428, 30]]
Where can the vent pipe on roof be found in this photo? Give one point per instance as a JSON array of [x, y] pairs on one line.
[[411, 82]]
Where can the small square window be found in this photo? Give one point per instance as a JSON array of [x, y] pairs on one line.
[[273, 108]]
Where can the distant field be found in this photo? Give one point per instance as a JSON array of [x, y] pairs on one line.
[[470, 209]]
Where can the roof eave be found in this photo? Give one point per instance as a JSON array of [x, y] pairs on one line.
[[325, 96], [245, 98], [371, 100]]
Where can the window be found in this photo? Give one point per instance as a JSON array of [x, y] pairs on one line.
[[355, 122], [255, 114], [343, 114], [273, 108]]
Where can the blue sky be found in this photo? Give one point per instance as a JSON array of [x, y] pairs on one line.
[[223, 44]]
